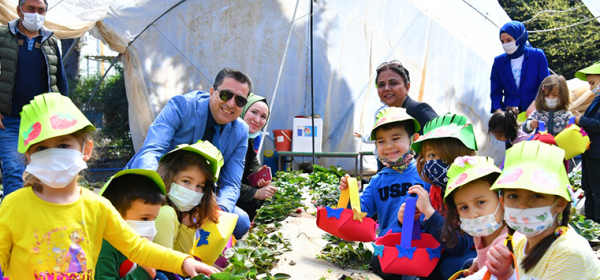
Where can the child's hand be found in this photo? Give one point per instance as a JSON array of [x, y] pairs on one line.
[[474, 268], [534, 124], [344, 182], [193, 267], [357, 135], [423, 203], [499, 262], [150, 271], [401, 213]]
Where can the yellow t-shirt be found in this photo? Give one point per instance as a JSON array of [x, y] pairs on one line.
[[171, 233], [569, 257], [43, 240]]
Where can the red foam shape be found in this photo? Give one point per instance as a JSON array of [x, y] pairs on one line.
[[345, 227], [420, 265]]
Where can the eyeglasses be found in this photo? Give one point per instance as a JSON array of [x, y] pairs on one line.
[[226, 95], [394, 63]]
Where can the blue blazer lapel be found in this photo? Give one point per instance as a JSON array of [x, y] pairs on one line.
[[199, 121], [524, 67]]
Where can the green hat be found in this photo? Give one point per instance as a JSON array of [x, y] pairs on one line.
[[253, 98], [150, 174], [448, 126], [467, 169], [205, 149], [390, 115], [49, 115], [594, 69], [535, 166]]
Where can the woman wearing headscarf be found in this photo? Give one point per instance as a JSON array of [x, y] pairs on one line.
[[517, 73], [255, 114]]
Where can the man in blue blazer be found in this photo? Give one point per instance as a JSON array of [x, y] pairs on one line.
[[213, 117], [517, 73]]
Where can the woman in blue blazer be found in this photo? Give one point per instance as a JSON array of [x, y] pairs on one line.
[[517, 73]]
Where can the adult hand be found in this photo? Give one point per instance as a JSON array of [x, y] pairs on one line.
[[401, 213], [150, 271], [423, 203], [262, 182], [265, 192], [193, 267], [534, 124], [1, 124], [499, 262], [514, 109], [357, 135]]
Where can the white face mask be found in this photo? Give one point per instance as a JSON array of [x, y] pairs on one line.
[[551, 103], [532, 221], [596, 90], [33, 21], [480, 226], [145, 229], [56, 167], [510, 47], [183, 198]]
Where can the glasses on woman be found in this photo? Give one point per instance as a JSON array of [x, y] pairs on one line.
[[226, 95], [393, 63]]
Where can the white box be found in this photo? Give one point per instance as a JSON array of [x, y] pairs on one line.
[[302, 135]]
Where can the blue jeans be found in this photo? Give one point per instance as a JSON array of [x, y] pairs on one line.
[[243, 223], [13, 163]]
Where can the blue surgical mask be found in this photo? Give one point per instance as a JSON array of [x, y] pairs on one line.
[[254, 135], [436, 170]]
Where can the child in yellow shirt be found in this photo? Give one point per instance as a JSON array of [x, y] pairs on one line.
[[52, 228]]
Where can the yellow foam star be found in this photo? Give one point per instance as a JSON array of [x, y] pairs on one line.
[[358, 216]]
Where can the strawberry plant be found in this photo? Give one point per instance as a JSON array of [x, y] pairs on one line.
[[346, 254], [589, 229], [286, 200]]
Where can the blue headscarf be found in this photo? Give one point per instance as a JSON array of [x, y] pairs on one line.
[[517, 30]]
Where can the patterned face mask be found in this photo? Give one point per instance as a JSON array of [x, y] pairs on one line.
[[596, 90], [480, 226], [532, 221], [400, 164], [436, 170]]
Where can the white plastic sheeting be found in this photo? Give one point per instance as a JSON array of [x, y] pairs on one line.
[[594, 7], [447, 45]]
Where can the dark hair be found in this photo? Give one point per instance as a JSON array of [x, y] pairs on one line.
[[504, 123], [548, 85], [178, 161], [396, 67], [234, 74], [21, 2], [29, 180], [126, 189], [448, 149], [537, 252], [406, 125], [451, 227]]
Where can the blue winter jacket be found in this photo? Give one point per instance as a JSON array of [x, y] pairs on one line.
[[504, 92], [590, 122], [182, 121], [386, 192]]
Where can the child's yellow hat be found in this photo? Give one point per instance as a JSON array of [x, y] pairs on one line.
[[448, 126], [535, 166], [467, 169], [205, 149], [150, 174], [594, 69], [390, 115], [49, 115]]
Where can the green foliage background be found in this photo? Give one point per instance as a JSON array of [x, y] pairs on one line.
[[567, 50]]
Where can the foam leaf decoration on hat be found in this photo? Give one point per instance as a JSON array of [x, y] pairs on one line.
[[405, 252], [461, 161], [334, 213], [377, 249], [434, 252], [542, 179]]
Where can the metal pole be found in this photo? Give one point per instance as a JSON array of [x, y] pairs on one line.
[[312, 93]]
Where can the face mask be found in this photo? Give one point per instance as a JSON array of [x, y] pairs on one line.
[[596, 90], [530, 222], [55, 167], [551, 103], [480, 226], [254, 135], [33, 21], [510, 47], [183, 198], [436, 170], [145, 229]]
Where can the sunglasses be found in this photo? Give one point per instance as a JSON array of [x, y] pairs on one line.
[[393, 63], [226, 95]]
